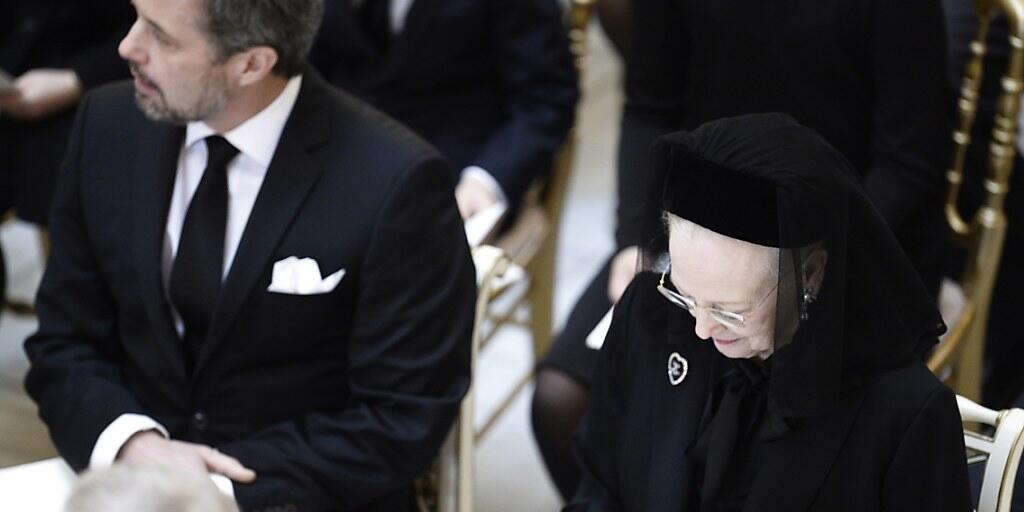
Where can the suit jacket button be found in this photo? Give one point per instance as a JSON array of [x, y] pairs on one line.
[[200, 421]]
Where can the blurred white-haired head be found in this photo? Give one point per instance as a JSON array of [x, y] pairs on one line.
[[124, 488]]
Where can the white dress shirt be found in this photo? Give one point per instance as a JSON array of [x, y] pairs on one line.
[[399, 11], [256, 140]]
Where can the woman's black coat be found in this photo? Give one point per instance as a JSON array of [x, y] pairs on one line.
[[893, 442]]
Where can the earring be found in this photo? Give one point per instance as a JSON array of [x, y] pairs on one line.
[[810, 295]]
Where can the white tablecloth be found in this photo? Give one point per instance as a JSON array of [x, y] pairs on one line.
[[37, 487]]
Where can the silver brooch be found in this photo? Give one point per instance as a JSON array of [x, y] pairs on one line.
[[677, 368]]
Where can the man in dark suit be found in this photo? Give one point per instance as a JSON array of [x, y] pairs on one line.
[[490, 83], [54, 50], [249, 271]]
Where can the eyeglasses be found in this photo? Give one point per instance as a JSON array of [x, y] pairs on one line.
[[729, 319]]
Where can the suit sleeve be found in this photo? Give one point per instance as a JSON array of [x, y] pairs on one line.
[[535, 67], [600, 433], [655, 79], [75, 356], [929, 471], [409, 360], [909, 133]]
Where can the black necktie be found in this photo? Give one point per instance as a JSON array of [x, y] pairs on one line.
[[375, 18], [198, 265]]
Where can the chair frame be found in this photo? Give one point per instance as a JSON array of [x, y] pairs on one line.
[[962, 350], [1002, 451]]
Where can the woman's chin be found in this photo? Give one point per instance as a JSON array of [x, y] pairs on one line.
[[733, 349]]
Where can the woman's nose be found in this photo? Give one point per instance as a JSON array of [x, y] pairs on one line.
[[703, 323]]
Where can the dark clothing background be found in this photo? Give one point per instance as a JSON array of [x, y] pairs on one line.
[[81, 35], [1004, 349], [870, 76], [892, 442], [337, 400], [489, 83]]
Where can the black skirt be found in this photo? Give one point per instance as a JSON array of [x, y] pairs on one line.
[[569, 353]]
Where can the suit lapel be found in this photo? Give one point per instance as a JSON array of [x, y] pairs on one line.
[[800, 461], [156, 166], [290, 177], [674, 413]]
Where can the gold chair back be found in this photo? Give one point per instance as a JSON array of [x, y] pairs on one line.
[[960, 354]]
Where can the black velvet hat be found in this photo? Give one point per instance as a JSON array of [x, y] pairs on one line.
[[740, 201], [721, 200]]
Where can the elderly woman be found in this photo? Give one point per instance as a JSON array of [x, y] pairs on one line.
[[768, 355]]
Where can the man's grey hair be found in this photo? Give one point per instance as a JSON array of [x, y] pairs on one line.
[[287, 26]]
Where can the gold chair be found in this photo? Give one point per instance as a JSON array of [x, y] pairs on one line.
[[448, 487], [1000, 452], [515, 287], [532, 241], [958, 358], [20, 308]]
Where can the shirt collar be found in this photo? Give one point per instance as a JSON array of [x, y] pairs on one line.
[[258, 136]]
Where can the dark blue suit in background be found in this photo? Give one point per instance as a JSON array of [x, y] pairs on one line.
[[490, 83]]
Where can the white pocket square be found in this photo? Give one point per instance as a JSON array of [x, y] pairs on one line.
[[296, 276]]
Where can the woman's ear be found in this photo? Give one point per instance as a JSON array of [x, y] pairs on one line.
[[813, 270]]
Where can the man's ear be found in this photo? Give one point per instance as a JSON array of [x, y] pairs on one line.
[[813, 268], [253, 65]]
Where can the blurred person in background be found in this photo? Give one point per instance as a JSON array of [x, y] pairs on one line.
[[490, 83]]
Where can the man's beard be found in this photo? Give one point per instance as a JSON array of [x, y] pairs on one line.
[[213, 97]]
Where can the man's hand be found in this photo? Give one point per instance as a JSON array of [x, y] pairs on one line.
[[151, 448], [473, 196], [41, 93], [621, 273]]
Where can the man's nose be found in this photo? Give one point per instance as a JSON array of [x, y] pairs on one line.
[[128, 49]]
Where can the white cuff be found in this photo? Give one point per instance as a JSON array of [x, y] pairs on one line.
[[117, 434], [224, 485], [481, 175]]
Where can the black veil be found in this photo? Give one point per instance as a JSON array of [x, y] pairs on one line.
[[767, 180]]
